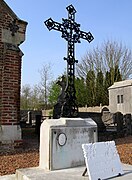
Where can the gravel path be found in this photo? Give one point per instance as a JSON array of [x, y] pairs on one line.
[[28, 155]]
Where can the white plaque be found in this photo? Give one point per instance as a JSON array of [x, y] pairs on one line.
[[62, 139], [102, 160]]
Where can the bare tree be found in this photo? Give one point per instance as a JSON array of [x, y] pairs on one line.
[[25, 97], [46, 78], [109, 55]]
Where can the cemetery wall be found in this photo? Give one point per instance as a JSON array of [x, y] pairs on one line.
[[81, 109], [96, 117]]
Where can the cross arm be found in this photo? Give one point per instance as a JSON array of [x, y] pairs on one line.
[[86, 35], [53, 25]]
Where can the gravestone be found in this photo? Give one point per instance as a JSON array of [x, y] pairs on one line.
[[128, 123], [12, 34], [118, 119], [102, 160], [61, 141]]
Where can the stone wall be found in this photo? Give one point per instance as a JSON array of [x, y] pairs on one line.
[[95, 116]]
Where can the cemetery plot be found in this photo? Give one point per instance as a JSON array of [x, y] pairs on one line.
[[28, 155]]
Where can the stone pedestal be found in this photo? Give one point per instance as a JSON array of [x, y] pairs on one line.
[[61, 141], [10, 134]]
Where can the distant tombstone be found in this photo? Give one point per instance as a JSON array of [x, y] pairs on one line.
[[38, 124], [104, 109], [118, 116], [106, 115], [128, 124], [102, 160], [29, 121]]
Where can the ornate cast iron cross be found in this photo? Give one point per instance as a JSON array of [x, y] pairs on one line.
[[71, 33]]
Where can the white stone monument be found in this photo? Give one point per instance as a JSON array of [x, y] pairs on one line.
[[61, 142]]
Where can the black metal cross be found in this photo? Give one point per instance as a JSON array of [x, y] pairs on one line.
[[13, 27], [71, 33]]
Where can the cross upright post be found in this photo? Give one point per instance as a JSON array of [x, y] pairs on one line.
[[71, 33]]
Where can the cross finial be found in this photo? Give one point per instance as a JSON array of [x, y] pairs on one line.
[[71, 9], [13, 27]]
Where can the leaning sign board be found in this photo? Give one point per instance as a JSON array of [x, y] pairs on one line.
[[102, 160]]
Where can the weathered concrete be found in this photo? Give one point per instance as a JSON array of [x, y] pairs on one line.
[[65, 174], [102, 160], [61, 140], [8, 133], [8, 177]]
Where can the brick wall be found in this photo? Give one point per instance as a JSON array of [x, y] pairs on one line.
[[10, 66], [11, 80]]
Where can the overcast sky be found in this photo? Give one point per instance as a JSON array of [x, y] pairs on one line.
[[105, 19]]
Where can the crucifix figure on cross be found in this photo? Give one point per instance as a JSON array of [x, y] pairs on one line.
[[71, 33]]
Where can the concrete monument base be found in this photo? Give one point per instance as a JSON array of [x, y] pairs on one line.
[[61, 141], [10, 133], [37, 173]]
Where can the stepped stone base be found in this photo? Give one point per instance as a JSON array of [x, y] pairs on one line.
[[36, 173]]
